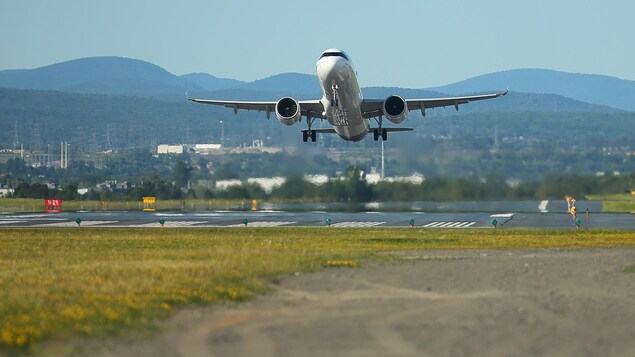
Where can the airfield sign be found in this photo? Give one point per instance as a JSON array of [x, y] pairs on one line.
[[53, 205]]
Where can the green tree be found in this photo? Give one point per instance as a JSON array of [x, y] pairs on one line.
[[357, 189], [181, 174]]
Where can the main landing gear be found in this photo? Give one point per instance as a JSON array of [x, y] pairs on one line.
[[306, 134], [379, 131]]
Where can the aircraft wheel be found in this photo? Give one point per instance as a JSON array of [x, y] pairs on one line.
[[305, 136], [376, 134], [313, 136], [384, 134]]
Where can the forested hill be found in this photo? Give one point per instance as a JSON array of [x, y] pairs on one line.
[[590, 88], [130, 77], [99, 122]]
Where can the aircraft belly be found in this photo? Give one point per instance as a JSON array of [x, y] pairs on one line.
[[352, 132], [342, 98], [347, 120]]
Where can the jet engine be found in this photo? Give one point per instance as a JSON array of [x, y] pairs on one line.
[[288, 111], [395, 109]]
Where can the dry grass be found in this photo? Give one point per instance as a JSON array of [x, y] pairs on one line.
[[37, 205], [61, 283]]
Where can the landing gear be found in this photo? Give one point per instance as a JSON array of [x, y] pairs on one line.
[[335, 101], [379, 131], [306, 134], [383, 133]]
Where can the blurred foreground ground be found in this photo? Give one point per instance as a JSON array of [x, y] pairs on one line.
[[562, 302]]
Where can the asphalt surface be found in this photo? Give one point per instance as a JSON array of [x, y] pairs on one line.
[[545, 302], [271, 218]]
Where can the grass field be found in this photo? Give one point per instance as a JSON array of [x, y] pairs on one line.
[[616, 203], [62, 283], [37, 205], [610, 203]]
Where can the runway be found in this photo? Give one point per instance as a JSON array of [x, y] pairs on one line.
[[201, 219]]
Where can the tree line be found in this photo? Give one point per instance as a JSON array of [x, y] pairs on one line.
[[353, 187]]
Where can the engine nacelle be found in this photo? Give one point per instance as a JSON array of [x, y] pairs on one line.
[[288, 111], [395, 109]]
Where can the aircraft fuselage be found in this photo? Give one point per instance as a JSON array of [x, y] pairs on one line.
[[342, 96]]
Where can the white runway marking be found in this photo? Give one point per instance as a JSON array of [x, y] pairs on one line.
[[449, 224], [74, 224], [11, 222], [169, 223], [261, 224], [356, 224]]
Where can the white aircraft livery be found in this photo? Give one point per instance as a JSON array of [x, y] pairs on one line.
[[343, 105]]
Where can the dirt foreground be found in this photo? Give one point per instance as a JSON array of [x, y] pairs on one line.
[[574, 302]]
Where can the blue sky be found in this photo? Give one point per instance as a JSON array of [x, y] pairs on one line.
[[392, 43]]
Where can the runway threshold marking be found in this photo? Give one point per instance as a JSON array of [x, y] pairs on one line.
[[170, 223], [73, 224], [449, 224], [261, 224], [356, 224]]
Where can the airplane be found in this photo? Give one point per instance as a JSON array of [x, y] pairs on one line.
[[343, 105]]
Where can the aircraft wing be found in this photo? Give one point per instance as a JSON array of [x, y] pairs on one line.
[[309, 108], [374, 107]]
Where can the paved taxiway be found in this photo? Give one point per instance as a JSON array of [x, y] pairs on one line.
[[316, 219]]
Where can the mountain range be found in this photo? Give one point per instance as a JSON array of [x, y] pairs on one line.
[[532, 89]]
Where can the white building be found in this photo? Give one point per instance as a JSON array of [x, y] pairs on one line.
[[169, 149], [206, 148], [6, 192]]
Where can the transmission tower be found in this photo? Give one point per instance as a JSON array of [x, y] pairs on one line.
[[36, 139], [16, 139], [80, 140], [93, 142], [187, 135], [108, 137]]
